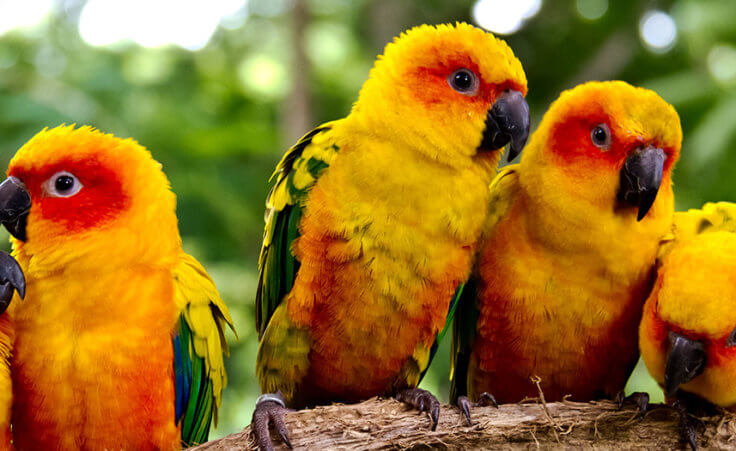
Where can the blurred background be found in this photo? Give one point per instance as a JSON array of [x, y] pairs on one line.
[[218, 89]]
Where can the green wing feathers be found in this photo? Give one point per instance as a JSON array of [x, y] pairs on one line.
[[463, 337], [199, 345], [294, 176]]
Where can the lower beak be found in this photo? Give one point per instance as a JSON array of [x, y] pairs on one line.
[[507, 122], [640, 179], [11, 278], [15, 203], [685, 361]]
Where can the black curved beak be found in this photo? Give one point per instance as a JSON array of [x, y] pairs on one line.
[[11, 278], [15, 203], [685, 361], [640, 179], [507, 122]]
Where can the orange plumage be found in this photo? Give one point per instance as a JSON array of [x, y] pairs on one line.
[[564, 266], [108, 288]]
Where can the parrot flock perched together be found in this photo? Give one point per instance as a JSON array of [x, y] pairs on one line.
[[386, 231]]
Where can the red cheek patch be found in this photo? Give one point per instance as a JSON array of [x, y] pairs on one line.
[[571, 141], [100, 200]]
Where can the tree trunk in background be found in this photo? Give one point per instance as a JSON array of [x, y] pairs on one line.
[[388, 424], [297, 112], [387, 18]]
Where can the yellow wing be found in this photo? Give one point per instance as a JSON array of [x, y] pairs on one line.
[[199, 345], [712, 217]]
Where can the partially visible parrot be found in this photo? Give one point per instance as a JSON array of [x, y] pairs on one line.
[[567, 255], [373, 220], [688, 332], [11, 280], [120, 340]]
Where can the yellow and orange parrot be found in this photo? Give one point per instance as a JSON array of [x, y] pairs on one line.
[[568, 249], [11, 280], [688, 332], [373, 220], [120, 341]]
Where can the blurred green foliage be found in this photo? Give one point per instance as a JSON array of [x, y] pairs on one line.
[[219, 118]]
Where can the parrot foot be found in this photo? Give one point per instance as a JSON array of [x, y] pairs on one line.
[[688, 425], [486, 399], [270, 410], [422, 400], [11, 279], [641, 400]]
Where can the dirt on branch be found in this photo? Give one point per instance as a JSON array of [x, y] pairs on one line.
[[388, 424]]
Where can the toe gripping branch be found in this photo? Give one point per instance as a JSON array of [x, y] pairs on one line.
[[486, 399], [270, 410], [422, 400], [11, 279]]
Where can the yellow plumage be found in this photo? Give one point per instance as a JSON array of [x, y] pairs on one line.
[[693, 297], [373, 219]]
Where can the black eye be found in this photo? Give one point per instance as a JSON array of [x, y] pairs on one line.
[[64, 183], [601, 136], [463, 81]]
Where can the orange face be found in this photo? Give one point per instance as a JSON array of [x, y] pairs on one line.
[[608, 143], [72, 192]]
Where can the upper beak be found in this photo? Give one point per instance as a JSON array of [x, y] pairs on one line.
[[507, 122], [685, 361], [15, 203], [641, 177]]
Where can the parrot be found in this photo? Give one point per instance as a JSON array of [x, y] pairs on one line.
[[372, 221], [12, 280], [119, 343], [567, 252], [687, 335]]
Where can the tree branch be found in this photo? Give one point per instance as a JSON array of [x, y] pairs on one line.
[[388, 424]]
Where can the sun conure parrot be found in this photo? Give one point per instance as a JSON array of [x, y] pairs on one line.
[[373, 219], [11, 280], [567, 254], [120, 340], [688, 331]]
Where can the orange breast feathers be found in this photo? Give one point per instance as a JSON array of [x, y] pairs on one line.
[[106, 380], [550, 314]]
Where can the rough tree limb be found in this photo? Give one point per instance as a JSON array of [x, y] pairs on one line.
[[388, 424]]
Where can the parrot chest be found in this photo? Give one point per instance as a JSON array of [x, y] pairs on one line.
[[570, 319], [88, 355], [382, 256]]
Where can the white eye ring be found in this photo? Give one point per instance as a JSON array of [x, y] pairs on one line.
[[62, 184]]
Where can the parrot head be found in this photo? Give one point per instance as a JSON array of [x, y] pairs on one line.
[[82, 197], [608, 144], [688, 333], [449, 91]]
